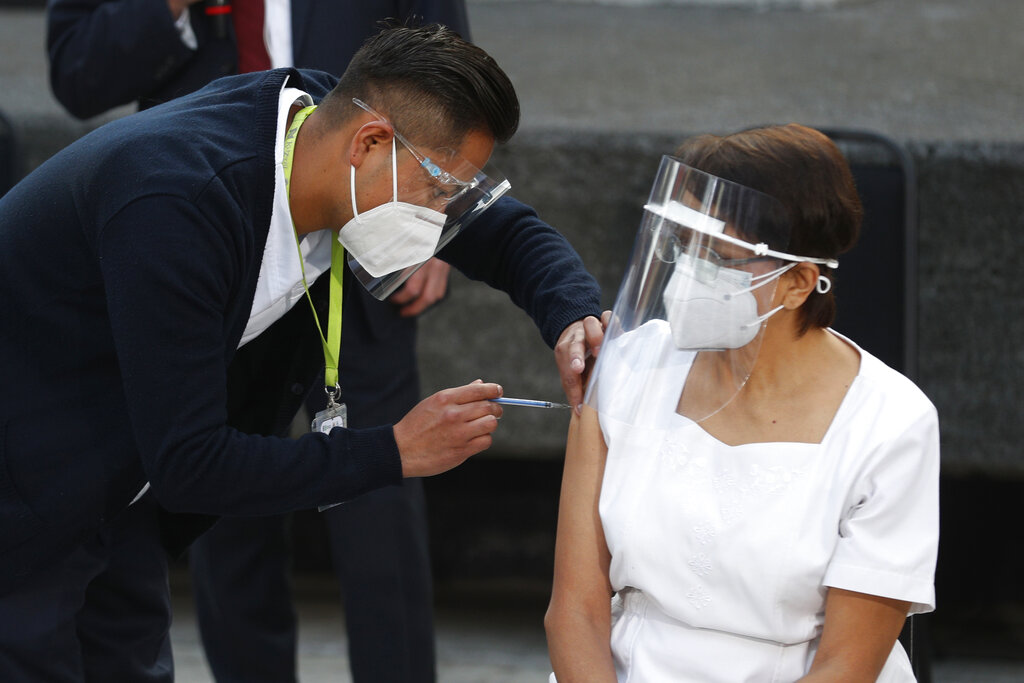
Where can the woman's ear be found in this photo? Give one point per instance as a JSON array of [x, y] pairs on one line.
[[797, 284]]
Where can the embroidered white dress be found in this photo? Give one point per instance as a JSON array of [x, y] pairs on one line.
[[721, 555]]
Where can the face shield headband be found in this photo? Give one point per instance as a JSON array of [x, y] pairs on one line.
[[696, 220], [690, 314], [445, 182]]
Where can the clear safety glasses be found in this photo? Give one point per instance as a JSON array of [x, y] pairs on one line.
[[449, 187]]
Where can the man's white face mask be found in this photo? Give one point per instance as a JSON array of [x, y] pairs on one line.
[[394, 235]]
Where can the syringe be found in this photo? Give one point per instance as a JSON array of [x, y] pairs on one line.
[[528, 402]]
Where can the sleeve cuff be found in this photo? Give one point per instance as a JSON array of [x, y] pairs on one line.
[[554, 327], [920, 592], [372, 461]]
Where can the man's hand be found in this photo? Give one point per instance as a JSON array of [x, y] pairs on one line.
[[575, 352], [443, 430], [423, 289]]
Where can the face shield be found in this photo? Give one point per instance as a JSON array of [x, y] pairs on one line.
[[450, 189], [690, 314]]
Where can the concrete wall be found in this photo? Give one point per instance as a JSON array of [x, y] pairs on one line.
[[972, 301], [591, 186]]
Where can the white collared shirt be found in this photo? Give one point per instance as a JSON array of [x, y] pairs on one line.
[[277, 32], [280, 280]]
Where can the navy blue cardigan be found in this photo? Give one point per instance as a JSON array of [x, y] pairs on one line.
[[128, 264]]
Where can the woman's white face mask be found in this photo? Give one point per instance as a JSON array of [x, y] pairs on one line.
[[715, 314], [394, 235]]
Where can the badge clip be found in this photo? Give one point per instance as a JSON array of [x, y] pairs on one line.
[[334, 415]]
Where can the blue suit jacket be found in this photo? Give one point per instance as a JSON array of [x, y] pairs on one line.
[[108, 53]]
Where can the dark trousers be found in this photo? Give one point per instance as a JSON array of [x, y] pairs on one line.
[[378, 543], [101, 613]]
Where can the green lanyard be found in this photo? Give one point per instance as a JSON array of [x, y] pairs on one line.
[[332, 343]]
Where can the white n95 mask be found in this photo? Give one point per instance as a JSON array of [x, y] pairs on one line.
[[715, 310], [394, 235]]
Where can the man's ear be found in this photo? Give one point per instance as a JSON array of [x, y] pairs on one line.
[[371, 137], [797, 284]]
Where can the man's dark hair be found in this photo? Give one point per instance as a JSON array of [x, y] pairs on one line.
[[806, 172], [432, 85]]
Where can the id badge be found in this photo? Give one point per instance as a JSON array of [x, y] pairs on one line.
[[334, 415]]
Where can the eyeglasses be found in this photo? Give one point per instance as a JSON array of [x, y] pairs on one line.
[[705, 261], [671, 249], [450, 187]]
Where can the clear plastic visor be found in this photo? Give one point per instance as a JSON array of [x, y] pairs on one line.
[[441, 180], [459, 212], [690, 314]]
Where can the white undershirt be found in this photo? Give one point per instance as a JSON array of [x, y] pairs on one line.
[[277, 32]]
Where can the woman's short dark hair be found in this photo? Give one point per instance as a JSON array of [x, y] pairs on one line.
[[434, 86], [806, 172]]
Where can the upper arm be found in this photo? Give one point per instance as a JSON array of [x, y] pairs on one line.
[[582, 558], [883, 565], [889, 534], [106, 53], [860, 632], [169, 274]]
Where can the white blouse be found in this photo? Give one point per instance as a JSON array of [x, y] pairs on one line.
[[722, 555]]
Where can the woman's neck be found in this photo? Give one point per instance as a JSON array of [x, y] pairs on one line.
[[793, 392]]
